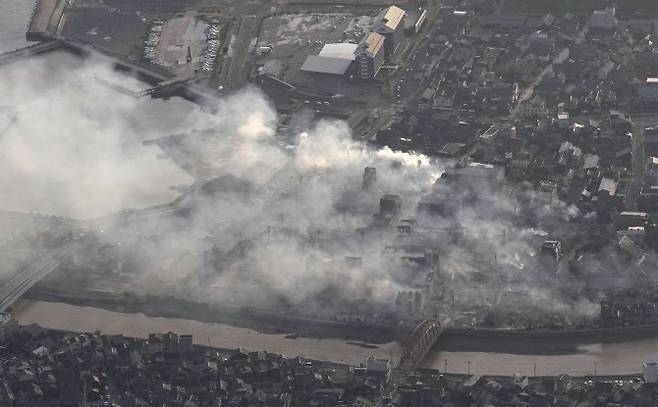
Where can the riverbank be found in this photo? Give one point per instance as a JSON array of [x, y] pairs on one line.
[[66, 317], [596, 359], [520, 342], [604, 359], [254, 319], [537, 342], [612, 351]]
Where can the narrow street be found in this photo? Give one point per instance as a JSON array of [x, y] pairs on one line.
[[638, 162]]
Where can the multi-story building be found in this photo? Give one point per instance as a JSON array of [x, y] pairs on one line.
[[370, 56], [390, 24], [604, 19], [8, 326]]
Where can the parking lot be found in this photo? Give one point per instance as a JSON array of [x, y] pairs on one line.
[[112, 29], [198, 35]]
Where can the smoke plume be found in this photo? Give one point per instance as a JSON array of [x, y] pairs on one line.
[[267, 218]]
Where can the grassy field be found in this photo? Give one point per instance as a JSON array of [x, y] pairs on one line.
[[580, 6]]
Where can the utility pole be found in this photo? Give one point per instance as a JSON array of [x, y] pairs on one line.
[[534, 369], [595, 367], [445, 365], [468, 369]]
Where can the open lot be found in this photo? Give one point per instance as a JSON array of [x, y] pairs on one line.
[[180, 34], [292, 33], [116, 30]]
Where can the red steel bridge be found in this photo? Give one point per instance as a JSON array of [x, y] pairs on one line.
[[419, 343]]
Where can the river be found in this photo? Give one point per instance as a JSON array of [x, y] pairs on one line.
[[14, 15], [602, 359], [85, 319], [605, 359]]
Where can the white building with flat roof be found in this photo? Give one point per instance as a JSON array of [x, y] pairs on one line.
[[333, 59], [390, 24]]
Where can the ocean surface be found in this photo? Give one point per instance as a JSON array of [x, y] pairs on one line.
[[14, 15]]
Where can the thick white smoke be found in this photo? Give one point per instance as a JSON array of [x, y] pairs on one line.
[[269, 221], [72, 146]]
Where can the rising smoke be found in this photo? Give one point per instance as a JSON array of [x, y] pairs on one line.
[[269, 219], [72, 147]]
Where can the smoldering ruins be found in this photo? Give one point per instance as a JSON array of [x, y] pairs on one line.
[[235, 206]]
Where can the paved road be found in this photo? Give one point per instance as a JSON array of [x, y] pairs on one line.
[[638, 164], [247, 27], [13, 289], [527, 93]]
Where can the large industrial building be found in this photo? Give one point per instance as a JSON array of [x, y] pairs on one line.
[[333, 59], [390, 24], [370, 56], [380, 43]]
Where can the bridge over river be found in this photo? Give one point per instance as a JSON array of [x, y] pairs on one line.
[[22, 281], [418, 344]]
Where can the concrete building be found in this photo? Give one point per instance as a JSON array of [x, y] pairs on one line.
[[390, 205], [563, 120], [379, 367], [342, 50], [420, 22], [474, 171], [641, 25], [551, 253], [369, 177], [500, 21], [333, 59], [604, 19], [533, 107], [370, 56], [390, 24], [8, 326], [650, 372], [185, 343]]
